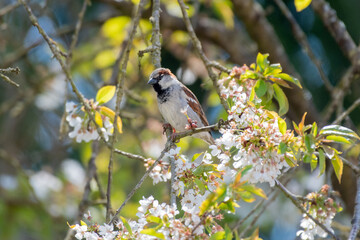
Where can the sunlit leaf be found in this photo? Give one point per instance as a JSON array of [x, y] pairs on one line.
[[339, 130], [282, 100], [273, 69], [338, 167], [196, 156], [254, 190], [302, 123], [126, 224], [322, 163], [114, 29], [262, 62], [218, 235], [98, 119], [105, 94], [301, 4], [153, 219], [288, 78], [152, 232], [314, 162], [338, 139], [254, 236], [282, 125], [82, 223], [223, 9], [290, 162]]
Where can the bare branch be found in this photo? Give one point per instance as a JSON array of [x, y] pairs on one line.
[[138, 185], [197, 44], [347, 112], [302, 39], [5, 10], [119, 95], [356, 219], [156, 35], [9, 70], [294, 199]]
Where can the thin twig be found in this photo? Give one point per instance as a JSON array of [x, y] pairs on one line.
[[347, 112], [119, 95], [138, 185], [257, 216], [294, 199], [356, 219], [75, 36], [9, 70], [156, 35], [302, 39], [197, 44], [8, 8], [130, 155]]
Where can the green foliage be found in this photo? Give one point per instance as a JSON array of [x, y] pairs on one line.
[[269, 78]]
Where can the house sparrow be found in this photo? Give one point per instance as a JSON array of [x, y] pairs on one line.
[[177, 104]]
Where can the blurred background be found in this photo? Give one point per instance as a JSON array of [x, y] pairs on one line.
[[43, 172]]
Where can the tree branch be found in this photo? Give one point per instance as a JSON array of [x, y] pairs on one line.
[[356, 218], [9, 70], [197, 44], [119, 95], [294, 199]]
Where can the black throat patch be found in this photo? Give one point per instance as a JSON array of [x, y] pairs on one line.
[[162, 94]]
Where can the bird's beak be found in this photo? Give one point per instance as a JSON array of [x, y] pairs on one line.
[[152, 81]]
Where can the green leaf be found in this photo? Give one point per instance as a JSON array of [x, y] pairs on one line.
[[260, 88], [338, 139], [307, 158], [310, 142], [196, 156], [229, 205], [273, 69], [254, 190], [248, 74], [314, 162], [218, 236], [282, 125], [301, 4], [152, 232], [282, 99], [329, 151], [288, 78], [322, 163], [200, 185], [339, 130], [282, 147], [228, 233], [105, 94], [290, 162], [262, 62], [314, 129], [126, 224], [153, 219], [204, 168], [338, 166]]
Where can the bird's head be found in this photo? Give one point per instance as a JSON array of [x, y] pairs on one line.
[[163, 78]]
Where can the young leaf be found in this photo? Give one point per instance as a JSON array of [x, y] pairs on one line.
[[200, 185], [288, 78], [152, 232], [339, 130], [228, 233], [218, 235], [338, 166], [260, 88], [302, 123], [282, 148], [282, 125], [338, 139], [310, 142], [126, 224], [262, 62], [290, 162], [105, 94], [254, 190], [204, 168], [98, 119], [273, 69], [282, 99], [314, 162], [322, 164], [301, 4]]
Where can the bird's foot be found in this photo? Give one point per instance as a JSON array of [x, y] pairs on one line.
[[167, 126]]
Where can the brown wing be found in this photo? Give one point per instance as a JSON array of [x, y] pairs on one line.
[[195, 105]]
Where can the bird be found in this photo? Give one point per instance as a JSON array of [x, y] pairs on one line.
[[178, 105]]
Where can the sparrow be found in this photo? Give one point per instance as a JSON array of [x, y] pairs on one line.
[[178, 105]]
